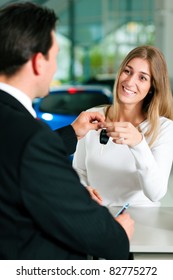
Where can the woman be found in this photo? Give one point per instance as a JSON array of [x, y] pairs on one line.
[[134, 166]]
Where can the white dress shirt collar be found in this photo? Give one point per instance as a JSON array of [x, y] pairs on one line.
[[20, 96]]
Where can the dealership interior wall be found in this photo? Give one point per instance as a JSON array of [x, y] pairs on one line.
[[86, 22], [164, 25]]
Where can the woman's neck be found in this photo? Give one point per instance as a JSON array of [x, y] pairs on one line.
[[126, 115]]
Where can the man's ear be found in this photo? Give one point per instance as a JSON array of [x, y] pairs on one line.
[[37, 63]]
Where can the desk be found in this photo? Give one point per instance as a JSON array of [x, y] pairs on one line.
[[153, 230]]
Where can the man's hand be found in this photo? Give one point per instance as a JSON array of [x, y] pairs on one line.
[[127, 223], [87, 121]]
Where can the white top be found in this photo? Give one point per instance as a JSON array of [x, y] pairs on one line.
[[120, 173], [20, 96]]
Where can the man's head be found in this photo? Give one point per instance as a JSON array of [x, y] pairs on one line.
[[26, 29]]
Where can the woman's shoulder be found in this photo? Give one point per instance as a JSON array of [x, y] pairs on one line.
[[166, 127], [164, 122]]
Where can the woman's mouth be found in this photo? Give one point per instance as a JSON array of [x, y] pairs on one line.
[[128, 92]]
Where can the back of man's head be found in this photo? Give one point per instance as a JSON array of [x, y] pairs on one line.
[[25, 30]]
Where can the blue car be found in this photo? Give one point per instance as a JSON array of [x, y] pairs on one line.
[[65, 103]]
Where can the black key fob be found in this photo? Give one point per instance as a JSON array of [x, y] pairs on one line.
[[103, 137]]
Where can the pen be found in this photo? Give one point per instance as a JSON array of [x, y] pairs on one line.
[[125, 206]]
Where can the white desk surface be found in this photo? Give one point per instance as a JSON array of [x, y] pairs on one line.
[[153, 229]]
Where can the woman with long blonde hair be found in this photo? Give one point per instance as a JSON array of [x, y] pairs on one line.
[[135, 164]]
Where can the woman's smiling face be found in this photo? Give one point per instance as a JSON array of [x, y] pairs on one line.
[[134, 82]]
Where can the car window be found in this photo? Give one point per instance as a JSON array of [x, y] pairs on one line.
[[65, 103]]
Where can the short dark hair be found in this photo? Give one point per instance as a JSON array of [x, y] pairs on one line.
[[25, 29]]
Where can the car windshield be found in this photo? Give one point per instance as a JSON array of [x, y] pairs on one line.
[[65, 103]]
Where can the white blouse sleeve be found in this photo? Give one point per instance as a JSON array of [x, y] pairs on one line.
[[79, 161], [154, 164]]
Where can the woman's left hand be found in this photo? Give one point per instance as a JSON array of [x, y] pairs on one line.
[[123, 133]]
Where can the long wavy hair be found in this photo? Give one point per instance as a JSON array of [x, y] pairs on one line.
[[159, 101]]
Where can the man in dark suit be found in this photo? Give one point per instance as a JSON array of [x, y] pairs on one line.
[[45, 213]]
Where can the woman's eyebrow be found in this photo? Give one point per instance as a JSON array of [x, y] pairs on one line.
[[139, 71]]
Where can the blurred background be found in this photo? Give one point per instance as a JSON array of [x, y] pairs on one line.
[[95, 35]]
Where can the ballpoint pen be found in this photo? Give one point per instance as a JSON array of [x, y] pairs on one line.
[[125, 206]]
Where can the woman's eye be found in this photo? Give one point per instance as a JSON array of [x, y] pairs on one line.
[[127, 71], [143, 78]]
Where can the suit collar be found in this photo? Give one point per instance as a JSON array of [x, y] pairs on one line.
[[13, 102]]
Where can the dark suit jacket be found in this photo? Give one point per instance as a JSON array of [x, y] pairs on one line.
[[45, 213]]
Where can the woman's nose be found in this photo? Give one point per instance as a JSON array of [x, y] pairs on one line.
[[132, 79]]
